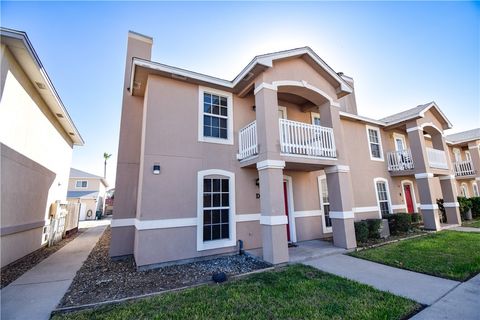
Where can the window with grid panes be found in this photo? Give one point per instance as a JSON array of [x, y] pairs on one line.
[[216, 209], [215, 116]]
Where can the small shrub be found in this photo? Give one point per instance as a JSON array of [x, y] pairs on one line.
[[361, 231], [416, 218], [403, 222], [441, 208], [465, 205], [475, 206], [374, 228], [399, 222]]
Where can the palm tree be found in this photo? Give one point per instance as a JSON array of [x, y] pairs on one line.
[[106, 156]]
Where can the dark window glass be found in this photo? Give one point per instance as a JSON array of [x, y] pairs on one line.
[[216, 220], [328, 221], [224, 185], [215, 232], [375, 150], [215, 118]]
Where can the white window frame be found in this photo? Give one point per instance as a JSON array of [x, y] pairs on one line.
[[379, 142], [457, 154], [412, 190], [221, 243], [387, 187], [284, 110], [476, 192], [314, 115], [463, 187], [229, 96], [76, 184], [468, 156], [324, 224], [401, 137]]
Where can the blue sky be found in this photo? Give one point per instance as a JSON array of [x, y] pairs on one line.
[[399, 54]]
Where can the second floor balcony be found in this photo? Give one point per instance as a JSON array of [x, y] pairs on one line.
[[296, 138], [464, 168], [402, 161]]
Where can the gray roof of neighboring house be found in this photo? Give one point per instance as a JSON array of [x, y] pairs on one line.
[[75, 173], [405, 114], [464, 136], [82, 194]]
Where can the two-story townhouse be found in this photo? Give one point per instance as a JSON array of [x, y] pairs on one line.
[[277, 155], [37, 137], [88, 190], [464, 150]]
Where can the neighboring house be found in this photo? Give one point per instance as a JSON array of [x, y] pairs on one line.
[[277, 155], [465, 154], [88, 190], [36, 139]]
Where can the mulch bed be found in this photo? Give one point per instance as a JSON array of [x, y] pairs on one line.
[[14, 270], [103, 279]]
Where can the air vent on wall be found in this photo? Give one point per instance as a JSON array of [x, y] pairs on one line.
[[59, 115], [176, 76], [40, 85], [71, 133]]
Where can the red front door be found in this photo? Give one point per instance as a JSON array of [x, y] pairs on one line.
[[408, 197], [285, 197]]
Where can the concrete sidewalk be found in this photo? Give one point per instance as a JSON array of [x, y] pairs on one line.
[[419, 287], [466, 229], [37, 292], [460, 303]]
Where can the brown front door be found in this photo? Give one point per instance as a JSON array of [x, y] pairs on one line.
[[285, 197], [408, 197]]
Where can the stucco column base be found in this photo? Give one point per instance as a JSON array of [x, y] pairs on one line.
[[453, 215], [450, 200], [431, 219], [122, 241], [275, 244], [344, 233]]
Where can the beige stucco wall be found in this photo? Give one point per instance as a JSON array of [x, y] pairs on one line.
[[29, 128], [93, 184]]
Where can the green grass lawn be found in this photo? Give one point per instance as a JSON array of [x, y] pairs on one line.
[[447, 254], [473, 223], [293, 292]]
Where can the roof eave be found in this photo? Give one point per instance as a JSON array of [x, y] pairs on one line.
[[22, 36]]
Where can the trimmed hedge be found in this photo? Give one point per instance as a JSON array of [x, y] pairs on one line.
[[374, 228], [361, 231], [367, 229], [465, 205], [399, 222], [475, 206]]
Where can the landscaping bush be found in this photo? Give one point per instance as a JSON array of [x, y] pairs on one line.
[[465, 205], [399, 222], [475, 206], [403, 222], [416, 218], [374, 228], [361, 231], [441, 208]]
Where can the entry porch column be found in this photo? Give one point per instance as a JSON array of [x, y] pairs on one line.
[[450, 203], [273, 218]]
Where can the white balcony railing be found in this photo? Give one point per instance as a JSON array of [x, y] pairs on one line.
[[300, 138], [464, 168], [400, 160], [437, 158], [247, 141]]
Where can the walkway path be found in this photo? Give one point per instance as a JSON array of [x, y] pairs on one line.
[[460, 303], [467, 229], [416, 286], [36, 293]]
